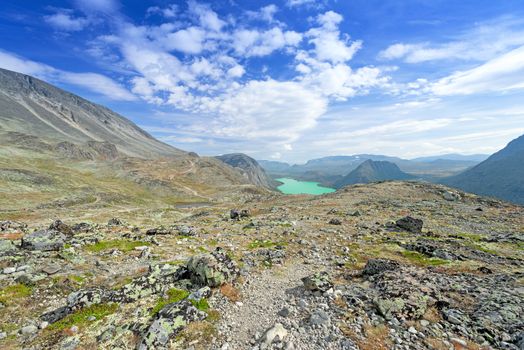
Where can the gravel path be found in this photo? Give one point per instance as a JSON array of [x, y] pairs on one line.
[[263, 296]]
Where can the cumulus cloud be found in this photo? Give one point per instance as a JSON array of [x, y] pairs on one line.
[[94, 82]]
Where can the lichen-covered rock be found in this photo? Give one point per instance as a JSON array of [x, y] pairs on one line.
[[212, 269], [161, 230], [376, 266], [59, 226], [335, 221], [389, 307], [45, 240], [317, 282], [169, 322], [185, 230], [159, 279], [7, 226], [6, 247], [115, 222], [236, 214], [410, 224]]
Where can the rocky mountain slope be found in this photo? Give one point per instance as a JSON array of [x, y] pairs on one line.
[[373, 171], [33, 107], [501, 175], [250, 168], [392, 265]]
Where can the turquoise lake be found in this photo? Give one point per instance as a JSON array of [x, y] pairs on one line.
[[292, 186]]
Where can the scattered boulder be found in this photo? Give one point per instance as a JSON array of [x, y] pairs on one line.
[[82, 227], [318, 282], [212, 269], [410, 224], [451, 196], [236, 214], [169, 322], [6, 247], [277, 332], [161, 230], [59, 226], [335, 221], [185, 230], [115, 222], [6, 226], [44, 240], [377, 266]]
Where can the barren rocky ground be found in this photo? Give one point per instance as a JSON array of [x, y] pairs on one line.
[[395, 265]]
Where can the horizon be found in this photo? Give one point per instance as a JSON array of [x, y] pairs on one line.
[[288, 80]]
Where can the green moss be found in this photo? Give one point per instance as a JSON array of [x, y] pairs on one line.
[[13, 292], [119, 244], [470, 236], [173, 295], [77, 279], [202, 304], [80, 317], [421, 259]]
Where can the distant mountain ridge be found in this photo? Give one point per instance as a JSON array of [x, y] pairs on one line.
[[34, 107], [373, 171], [453, 156], [501, 175], [249, 167]]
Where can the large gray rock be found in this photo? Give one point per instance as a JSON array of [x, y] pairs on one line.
[[212, 269], [6, 247], [410, 224], [168, 323], [376, 266], [43, 240], [317, 282]]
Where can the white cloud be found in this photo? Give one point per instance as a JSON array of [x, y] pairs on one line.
[[293, 3], [64, 20], [236, 71], [94, 82], [262, 43], [482, 42], [499, 74], [190, 40], [168, 12], [207, 17], [266, 13]]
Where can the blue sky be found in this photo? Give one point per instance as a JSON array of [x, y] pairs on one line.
[[287, 80]]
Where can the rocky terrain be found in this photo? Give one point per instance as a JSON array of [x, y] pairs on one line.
[[396, 265]]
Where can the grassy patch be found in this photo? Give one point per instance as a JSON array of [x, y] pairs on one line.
[[201, 305], [173, 295], [80, 317], [470, 236], [119, 244], [16, 291], [421, 259], [266, 243]]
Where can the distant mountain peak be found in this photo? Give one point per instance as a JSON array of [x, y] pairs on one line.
[[372, 171]]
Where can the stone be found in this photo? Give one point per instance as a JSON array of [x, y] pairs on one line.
[[213, 269], [389, 307], [9, 270], [451, 196], [115, 222], [29, 330], [59, 226], [202, 293], [377, 266], [335, 221], [51, 269], [410, 224], [185, 230], [44, 240], [3, 335], [277, 331], [319, 317], [7, 247], [169, 321], [236, 214], [317, 282], [284, 312]]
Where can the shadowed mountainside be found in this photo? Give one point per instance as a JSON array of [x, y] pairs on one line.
[[249, 168], [501, 175]]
